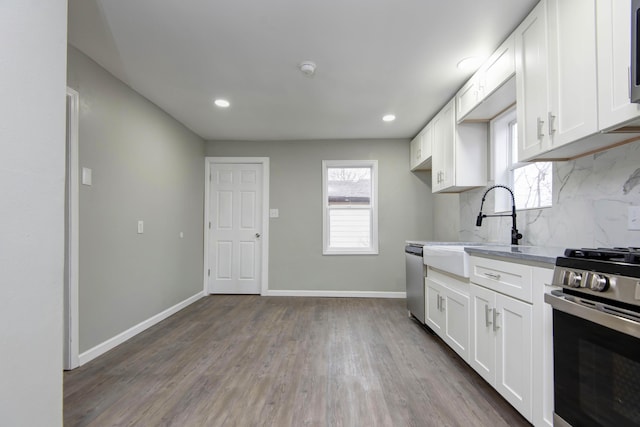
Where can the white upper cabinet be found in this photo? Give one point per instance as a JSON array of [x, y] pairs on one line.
[[614, 63], [421, 149], [492, 89], [531, 79], [573, 87], [468, 96], [459, 160], [572, 62]]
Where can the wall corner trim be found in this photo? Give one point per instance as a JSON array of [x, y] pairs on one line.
[[111, 343], [335, 294]]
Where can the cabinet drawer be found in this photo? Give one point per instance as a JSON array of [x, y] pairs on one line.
[[511, 279]]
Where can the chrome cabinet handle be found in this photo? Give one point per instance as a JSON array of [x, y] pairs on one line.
[[495, 320], [487, 310], [442, 304], [552, 124], [438, 303], [540, 125], [493, 276]]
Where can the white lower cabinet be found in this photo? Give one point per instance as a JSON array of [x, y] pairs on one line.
[[448, 310], [501, 345], [511, 334]]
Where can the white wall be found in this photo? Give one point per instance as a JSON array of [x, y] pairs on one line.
[[32, 165], [295, 257]]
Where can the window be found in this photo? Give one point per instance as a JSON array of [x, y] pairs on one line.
[[531, 182], [350, 212]]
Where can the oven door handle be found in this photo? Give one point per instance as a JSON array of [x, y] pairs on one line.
[[593, 314]]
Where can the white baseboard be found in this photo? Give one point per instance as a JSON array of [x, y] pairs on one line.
[[335, 294], [135, 330]]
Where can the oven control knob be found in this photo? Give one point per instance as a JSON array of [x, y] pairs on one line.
[[599, 283], [574, 279]]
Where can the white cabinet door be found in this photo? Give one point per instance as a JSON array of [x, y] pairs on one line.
[[456, 332], [614, 62], [573, 109], [421, 149], [415, 149], [443, 165], [513, 360], [482, 355], [531, 83], [468, 97], [434, 306], [498, 68], [427, 145]]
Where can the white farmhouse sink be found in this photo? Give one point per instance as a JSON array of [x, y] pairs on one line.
[[450, 258]]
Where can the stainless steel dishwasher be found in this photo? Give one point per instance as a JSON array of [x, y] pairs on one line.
[[415, 280]]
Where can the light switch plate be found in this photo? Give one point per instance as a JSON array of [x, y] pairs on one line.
[[274, 213], [140, 227], [86, 176], [633, 218]]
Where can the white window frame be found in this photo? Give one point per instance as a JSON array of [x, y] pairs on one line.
[[373, 248], [503, 167]]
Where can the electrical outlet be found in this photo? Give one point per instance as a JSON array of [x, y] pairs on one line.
[[633, 218], [274, 213]]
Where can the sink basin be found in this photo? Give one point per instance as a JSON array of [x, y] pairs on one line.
[[450, 258]]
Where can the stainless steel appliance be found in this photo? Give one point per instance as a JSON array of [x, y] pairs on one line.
[[635, 51], [596, 337], [415, 280]]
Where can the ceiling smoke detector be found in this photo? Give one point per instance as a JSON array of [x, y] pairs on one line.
[[308, 68]]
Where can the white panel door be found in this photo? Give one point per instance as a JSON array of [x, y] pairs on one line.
[[434, 304], [483, 337], [514, 343], [573, 112], [456, 307], [531, 81], [235, 228]]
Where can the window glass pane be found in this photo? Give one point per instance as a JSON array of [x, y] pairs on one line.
[[349, 228], [532, 185], [349, 186]]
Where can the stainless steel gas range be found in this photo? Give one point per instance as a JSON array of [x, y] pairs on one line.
[[596, 337]]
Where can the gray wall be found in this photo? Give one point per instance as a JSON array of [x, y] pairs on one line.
[[146, 166], [32, 147], [591, 198], [295, 247]]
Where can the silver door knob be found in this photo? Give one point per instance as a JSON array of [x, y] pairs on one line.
[[258, 235]]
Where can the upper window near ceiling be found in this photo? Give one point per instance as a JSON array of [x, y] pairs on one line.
[[350, 211], [531, 182]]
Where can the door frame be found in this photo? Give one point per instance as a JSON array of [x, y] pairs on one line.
[[264, 268], [71, 334]]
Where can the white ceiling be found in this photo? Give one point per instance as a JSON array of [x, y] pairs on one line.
[[373, 57]]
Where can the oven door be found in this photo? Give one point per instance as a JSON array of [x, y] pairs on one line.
[[596, 356]]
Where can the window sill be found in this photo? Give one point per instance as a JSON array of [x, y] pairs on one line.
[[348, 252], [508, 212]]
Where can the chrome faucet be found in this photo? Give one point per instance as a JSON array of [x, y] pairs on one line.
[[515, 235]]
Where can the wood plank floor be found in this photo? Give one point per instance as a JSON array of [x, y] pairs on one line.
[[279, 361]]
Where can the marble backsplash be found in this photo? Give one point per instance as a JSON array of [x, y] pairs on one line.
[[591, 197]]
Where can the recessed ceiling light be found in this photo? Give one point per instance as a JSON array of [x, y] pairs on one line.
[[469, 63], [389, 118], [223, 103]]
